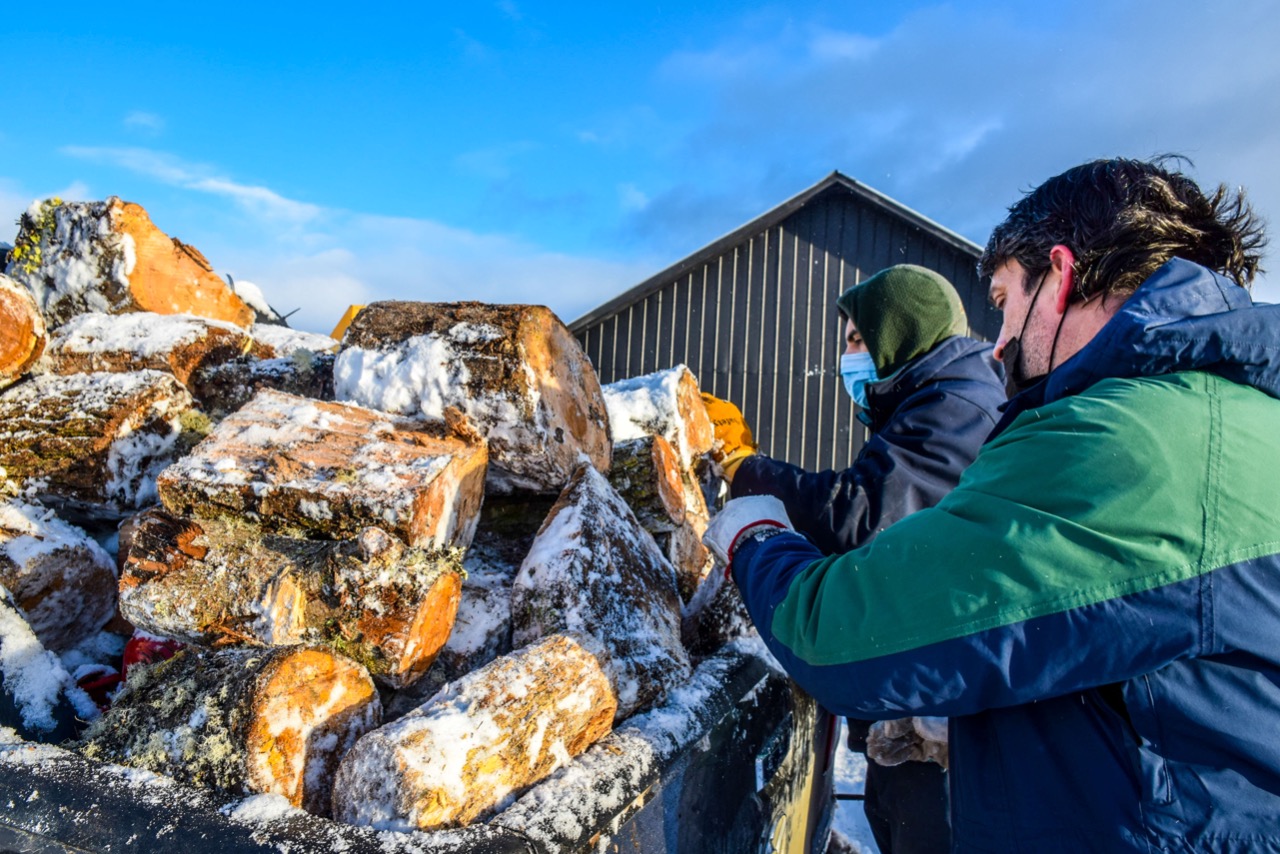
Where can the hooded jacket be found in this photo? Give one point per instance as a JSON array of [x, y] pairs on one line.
[[928, 421], [1096, 606]]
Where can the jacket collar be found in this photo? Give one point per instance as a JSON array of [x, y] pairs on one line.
[[951, 359], [1183, 318]]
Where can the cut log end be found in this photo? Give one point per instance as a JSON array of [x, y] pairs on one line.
[[311, 706], [22, 331]]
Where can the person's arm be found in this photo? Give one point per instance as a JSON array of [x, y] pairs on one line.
[[907, 466], [1072, 554]]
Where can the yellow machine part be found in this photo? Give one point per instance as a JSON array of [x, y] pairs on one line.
[[347, 317]]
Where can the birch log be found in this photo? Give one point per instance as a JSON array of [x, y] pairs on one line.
[[22, 331], [298, 465], [494, 732], [109, 257], [514, 370], [94, 443], [178, 344], [211, 582], [241, 721], [61, 578], [594, 571], [665, 403]]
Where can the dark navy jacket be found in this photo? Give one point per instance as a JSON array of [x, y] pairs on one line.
[[1096, 606], [928, 422]]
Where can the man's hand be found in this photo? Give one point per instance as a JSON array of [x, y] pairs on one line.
[[734, 442], [739, 518]]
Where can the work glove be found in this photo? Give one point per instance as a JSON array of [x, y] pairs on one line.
[[733, 439], [739, 519], [908, 740]]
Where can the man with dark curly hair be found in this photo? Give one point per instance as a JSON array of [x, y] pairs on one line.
[[1096, 606]]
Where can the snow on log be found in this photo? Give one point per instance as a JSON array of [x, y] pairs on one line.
[[514, 370], [281, 342], [665, 403], [61, 578], [480, 741], [724, 619], [594, 571], [646, 473], [223, 388], [179, 344], [211, 582], [22, 331], [94, 443], [109, 257], [38, 698], [298, 465], [241, 721]]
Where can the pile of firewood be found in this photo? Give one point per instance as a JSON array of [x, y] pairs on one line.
[[411, 573]]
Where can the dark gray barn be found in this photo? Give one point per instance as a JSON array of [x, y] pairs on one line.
[[753, 314]]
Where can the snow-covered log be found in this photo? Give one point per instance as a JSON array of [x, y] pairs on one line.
[[179, 344], [22, 331], [94, 443], [242, 721], [646, 473], [665, 403], [688, 556], [594, 571], [223, 388], [61, 578], [478, 742], [515, 371], [109, 257], [304, 466], [724, 619], [212, 582], [279, 342], [38, 698]]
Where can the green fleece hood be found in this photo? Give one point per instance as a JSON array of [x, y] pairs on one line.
[[903, 312]]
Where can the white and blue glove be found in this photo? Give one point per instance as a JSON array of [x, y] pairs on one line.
[[740, 518]]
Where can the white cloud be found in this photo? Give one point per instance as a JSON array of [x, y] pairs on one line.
[[148, 123]]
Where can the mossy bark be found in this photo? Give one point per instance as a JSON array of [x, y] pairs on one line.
[[223, 388], [241, 721], [646, 473], [213, 582]]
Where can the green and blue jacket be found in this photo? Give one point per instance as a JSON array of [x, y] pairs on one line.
[[1097, 603]]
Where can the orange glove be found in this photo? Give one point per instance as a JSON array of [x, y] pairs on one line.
[[734, 442]]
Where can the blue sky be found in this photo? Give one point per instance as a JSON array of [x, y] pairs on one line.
[[558, 153]]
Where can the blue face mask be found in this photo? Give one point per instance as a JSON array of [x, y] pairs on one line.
[[858, 369]]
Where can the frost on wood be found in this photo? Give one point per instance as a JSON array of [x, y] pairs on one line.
[[281, 342], [225, 387], [388, 606], [109, 257], [22, 331], [59, 575], [594, 571], [667, 404], [515, 371], [93, 442], [304, 466], [241, 721], [646, 473], [38, 698], [482, 739], [178, 344], [723, 620]]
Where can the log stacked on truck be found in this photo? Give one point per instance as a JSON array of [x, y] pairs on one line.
[[93, 442], [668, 405], [22, 331], [243, 721], [78, 257], [492, 733], [303, 466], [514, 371], [594, 571], [62, 579], [212, 582]]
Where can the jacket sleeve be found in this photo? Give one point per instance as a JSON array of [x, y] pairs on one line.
[[1070, 555], [908, 465]]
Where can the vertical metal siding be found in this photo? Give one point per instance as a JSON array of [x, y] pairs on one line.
[[758, 324]]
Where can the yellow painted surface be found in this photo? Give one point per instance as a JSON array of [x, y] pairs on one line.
[[347, 317]]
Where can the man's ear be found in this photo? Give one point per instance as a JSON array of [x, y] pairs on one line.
[[1063, 262]]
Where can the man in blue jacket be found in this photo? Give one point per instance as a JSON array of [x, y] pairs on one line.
[[929, 395], [1096, 606]]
